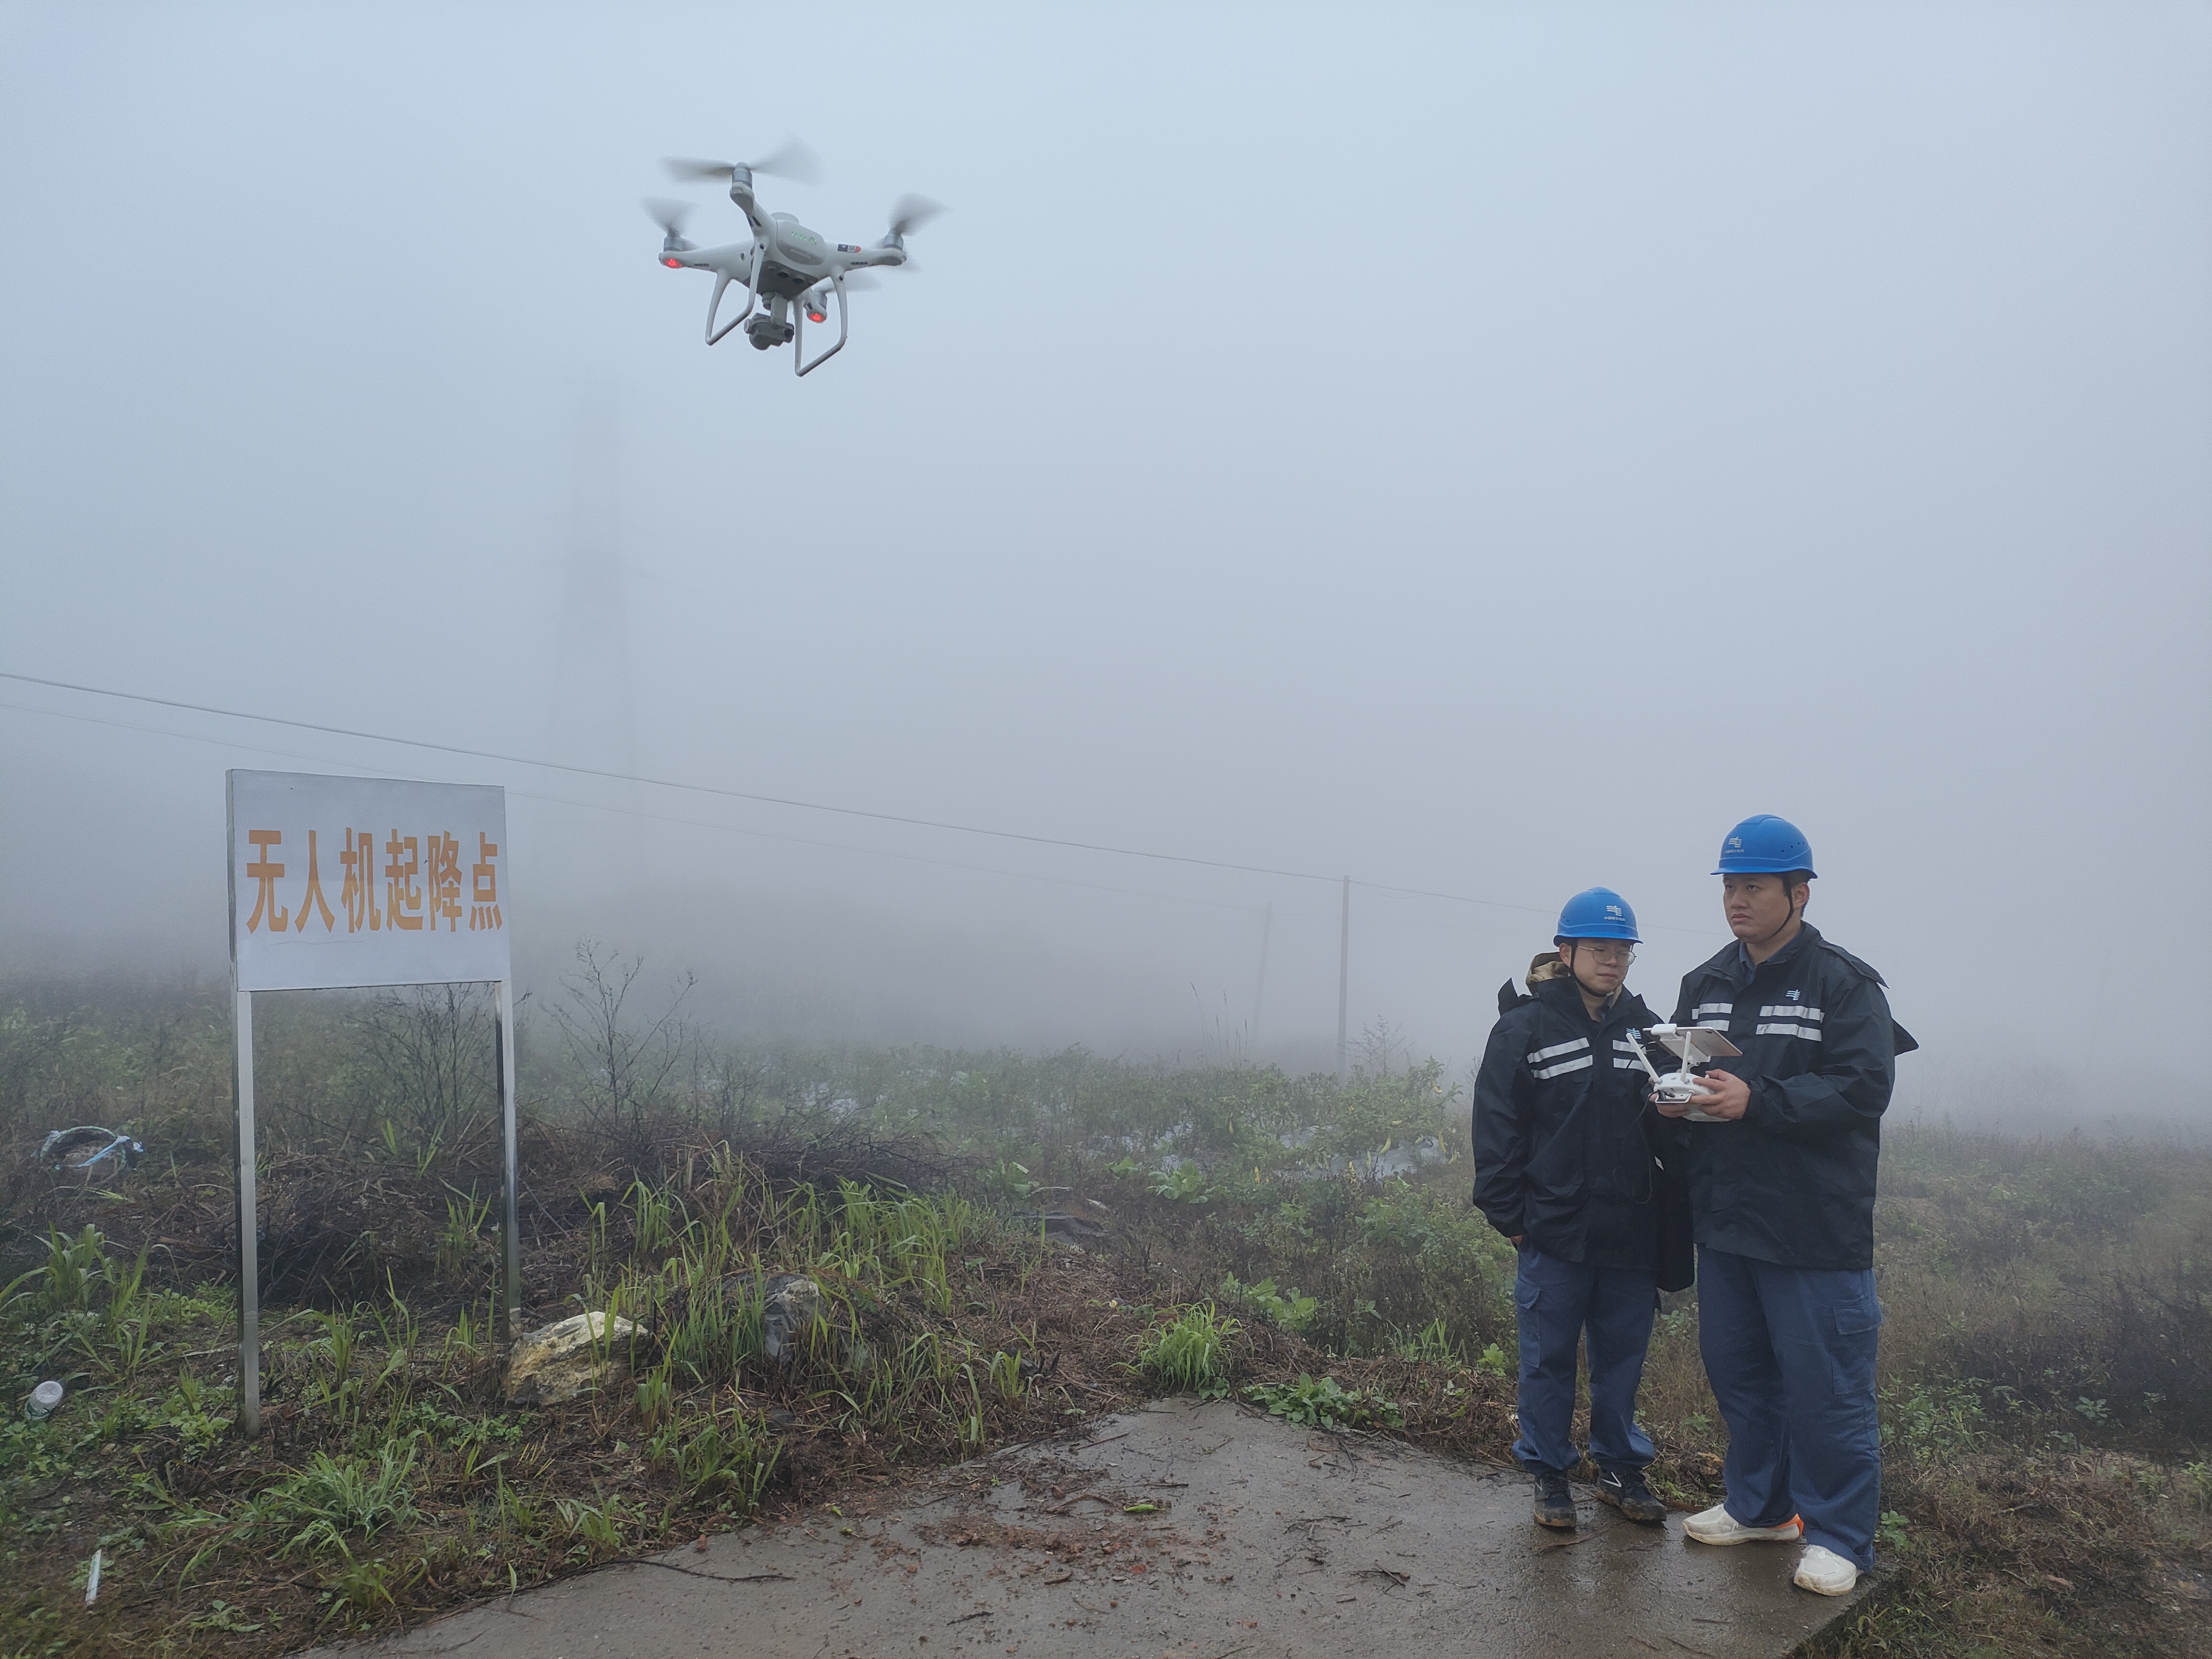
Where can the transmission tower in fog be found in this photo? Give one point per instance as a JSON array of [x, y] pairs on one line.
[[594, 709]]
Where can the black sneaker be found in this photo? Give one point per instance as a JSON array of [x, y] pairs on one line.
[[1625, 1490], [1555, 1504]]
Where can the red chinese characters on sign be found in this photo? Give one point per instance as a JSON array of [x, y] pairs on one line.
[[403, 896], [313, 899], [421, 877], [483, 912], [442, 875], [268, 873], [359, 893]]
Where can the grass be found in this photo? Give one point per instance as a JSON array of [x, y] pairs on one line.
[[392, 1479], [1190, 1352], [2045, 1376]]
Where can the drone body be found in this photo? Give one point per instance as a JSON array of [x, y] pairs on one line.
[[788, 272]]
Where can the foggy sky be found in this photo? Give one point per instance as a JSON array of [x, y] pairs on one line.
[[1483, 451]]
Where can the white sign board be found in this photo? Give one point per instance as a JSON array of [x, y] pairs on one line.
[[366, 881]]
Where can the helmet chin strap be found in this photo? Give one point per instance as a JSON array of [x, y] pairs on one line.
[[1779, 932], [1610, 997]]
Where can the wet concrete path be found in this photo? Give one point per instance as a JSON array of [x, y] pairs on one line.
[[1184, 1531]]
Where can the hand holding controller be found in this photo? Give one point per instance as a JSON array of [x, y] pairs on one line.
[[1719, 1099]]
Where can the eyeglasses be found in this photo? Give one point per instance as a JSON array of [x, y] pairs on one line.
[[1598, 951]]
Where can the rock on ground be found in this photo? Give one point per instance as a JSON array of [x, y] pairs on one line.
[[560, 1361]]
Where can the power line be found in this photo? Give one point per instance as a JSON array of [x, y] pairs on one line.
[[747, 795], [696, 824], [673, 783]]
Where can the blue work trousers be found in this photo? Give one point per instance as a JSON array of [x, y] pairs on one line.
[[1790, 1352], [1560, 1304]]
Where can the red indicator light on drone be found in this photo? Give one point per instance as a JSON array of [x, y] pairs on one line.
[[673, 265]]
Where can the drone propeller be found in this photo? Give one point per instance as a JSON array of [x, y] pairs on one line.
[[910, 212], [669, 215], [793, 162]]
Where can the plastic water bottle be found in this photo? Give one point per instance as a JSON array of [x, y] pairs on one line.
[[43, 1399]]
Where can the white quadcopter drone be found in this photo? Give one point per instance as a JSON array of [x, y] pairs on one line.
[[1693, 1046], [785, 265]]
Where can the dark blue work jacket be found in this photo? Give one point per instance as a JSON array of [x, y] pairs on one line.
[[1564, 1135], [1792, 1181]]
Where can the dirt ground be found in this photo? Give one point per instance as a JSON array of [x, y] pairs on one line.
[[1189, 1531]]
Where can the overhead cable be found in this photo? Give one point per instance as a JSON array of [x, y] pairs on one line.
[[608, 776]]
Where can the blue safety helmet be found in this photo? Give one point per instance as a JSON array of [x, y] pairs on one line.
[[1766, 846], [1598, 912]]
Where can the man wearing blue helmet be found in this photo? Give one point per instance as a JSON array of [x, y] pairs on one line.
[[1565, 1167], [1782, 1189]]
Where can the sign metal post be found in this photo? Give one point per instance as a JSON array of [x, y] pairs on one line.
[[510, 1322], [249, 1242]]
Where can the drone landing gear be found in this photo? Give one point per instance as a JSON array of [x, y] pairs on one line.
[[714, 335], [799, 363]]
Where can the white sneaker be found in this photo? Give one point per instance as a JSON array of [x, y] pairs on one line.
[[1716, 1526], [1825, 1572]]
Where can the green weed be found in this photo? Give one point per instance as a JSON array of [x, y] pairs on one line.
[[2194, 1481], [1935, 1420], [1325, 1405], [656, 1397], [1399, 1222], [598, 1529], [1008, 1180], [1008, 1377], [359, 1587], [75, 1270], [1184, 1184], [316, 1509], [466, 1215], [1191, 1352], [729, 1456], [221, 1616], [1285, 1309], [1430, 1345], [519, 1520], [972, 1429], [190, 1415]]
